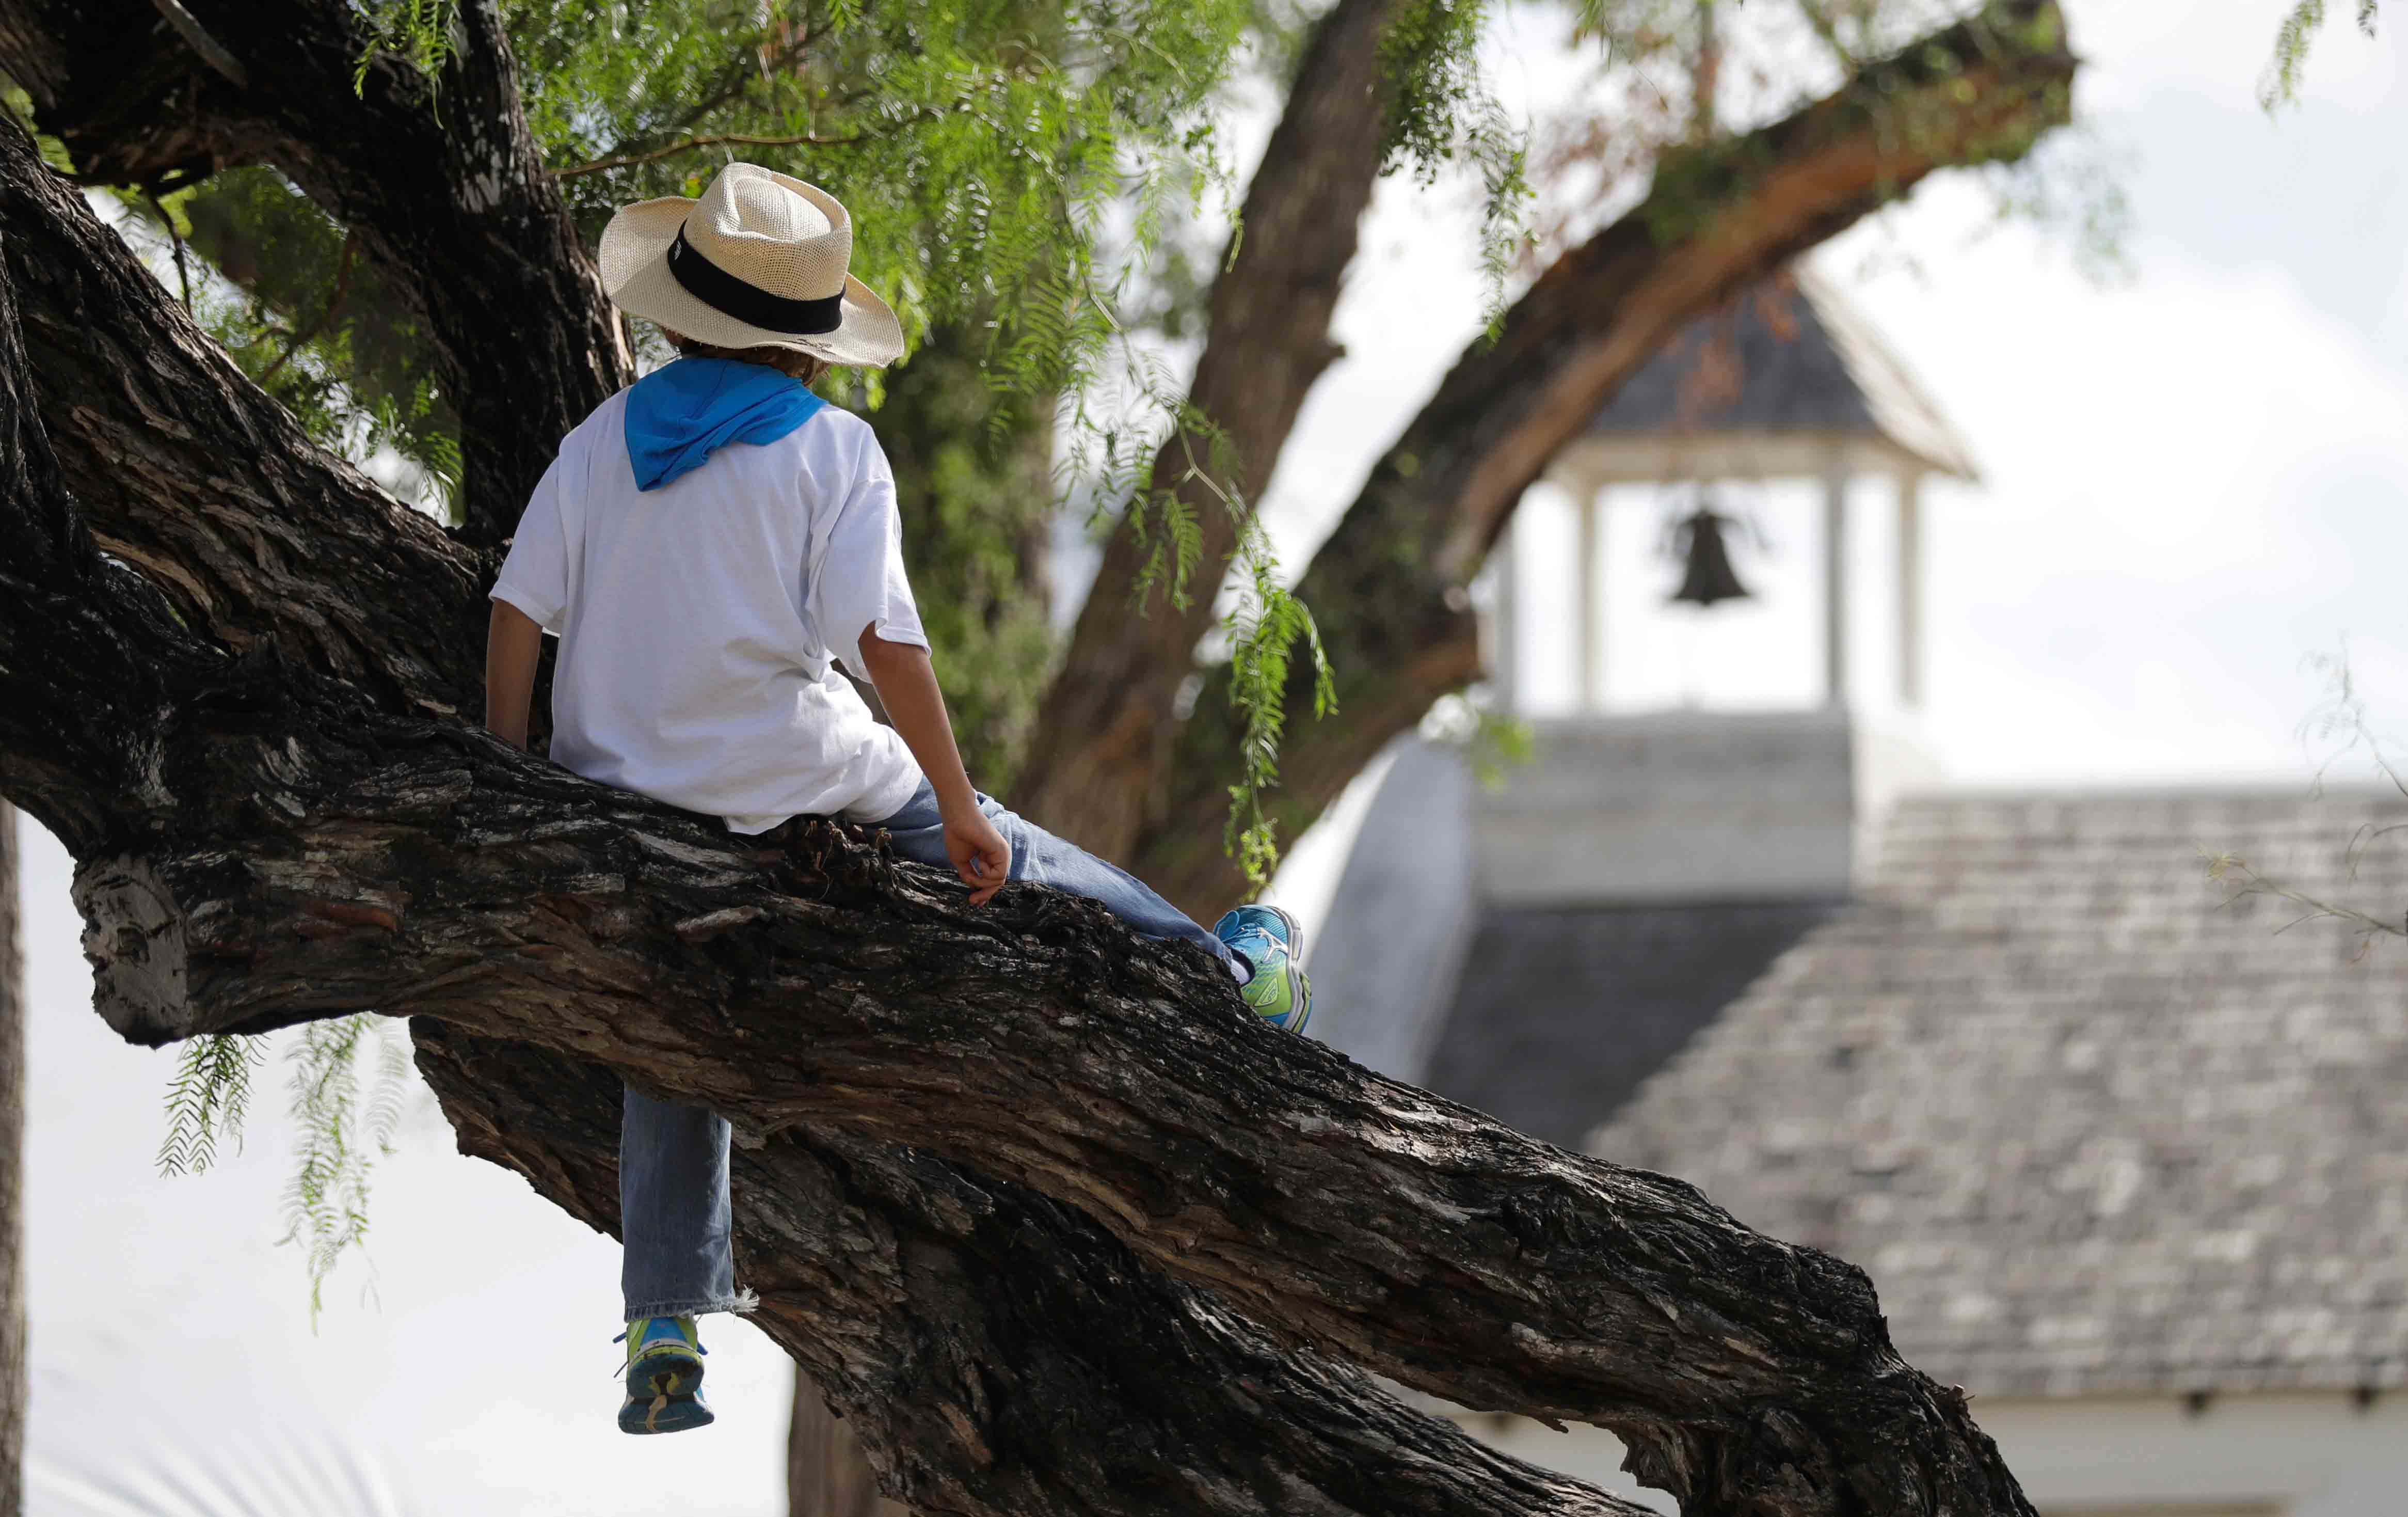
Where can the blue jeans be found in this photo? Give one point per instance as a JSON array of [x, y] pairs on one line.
[[673, 1203]]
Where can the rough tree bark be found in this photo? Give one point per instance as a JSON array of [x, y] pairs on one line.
[[454, 209], [828, 1472], [1011, 1173], [14, 1383], [998, 1352], [214, 491]]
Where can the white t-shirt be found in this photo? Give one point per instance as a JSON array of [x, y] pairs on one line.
[[697, 621]]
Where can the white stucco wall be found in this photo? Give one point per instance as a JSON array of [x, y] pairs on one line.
[[2284, 1456], [1676, 805], [1391, 944]]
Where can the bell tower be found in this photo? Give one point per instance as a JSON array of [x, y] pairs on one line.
[[1787, 383], [1653, 855], [1622, 801]]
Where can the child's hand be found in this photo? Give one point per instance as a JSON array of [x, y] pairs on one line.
[[981, 856]]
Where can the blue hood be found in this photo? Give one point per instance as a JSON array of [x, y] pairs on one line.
[[680, 413]]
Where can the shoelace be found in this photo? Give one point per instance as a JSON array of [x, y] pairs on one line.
[[635, 1349], [1254, 945]]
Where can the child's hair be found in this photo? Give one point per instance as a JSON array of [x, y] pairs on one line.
[[801, 366]]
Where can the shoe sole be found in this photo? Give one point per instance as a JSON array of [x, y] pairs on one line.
[[664, 1397], [1303, 1012], [663, 1414]]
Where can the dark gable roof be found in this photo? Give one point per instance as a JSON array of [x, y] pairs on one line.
[[2088, 1130], [1785, 357], [1764, 363]]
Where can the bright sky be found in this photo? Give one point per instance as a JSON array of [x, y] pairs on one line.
[[2192, 485]]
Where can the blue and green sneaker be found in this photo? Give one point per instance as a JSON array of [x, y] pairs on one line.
[[1268, 938], [664, 1377]]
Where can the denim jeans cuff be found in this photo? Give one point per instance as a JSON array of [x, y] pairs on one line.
[[742, 1303]]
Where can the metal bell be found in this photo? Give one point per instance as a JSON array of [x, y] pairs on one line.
[[1708, 576]]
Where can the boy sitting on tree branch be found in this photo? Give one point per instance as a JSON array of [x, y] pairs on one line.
[[708, 546]]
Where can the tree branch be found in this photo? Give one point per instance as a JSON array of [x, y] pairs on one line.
[[1171, 1402], [1106, 718], [455, 210], [176, 236], [212, 52], [747, 67], [431, 870], [185, 470], [715, 141], [1390, 587]]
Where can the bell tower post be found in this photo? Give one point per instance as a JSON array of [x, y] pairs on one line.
[[1910, 588], [1591, 590], [1835, 587]]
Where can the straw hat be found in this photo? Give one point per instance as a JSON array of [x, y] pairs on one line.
[[759, 261]]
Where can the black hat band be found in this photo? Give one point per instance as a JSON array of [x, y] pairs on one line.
[[751, 304]]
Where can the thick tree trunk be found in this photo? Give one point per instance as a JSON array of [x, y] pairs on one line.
[[1100, 735], [1390, 587], [13, 1378], [186, 470], [828, 1473]]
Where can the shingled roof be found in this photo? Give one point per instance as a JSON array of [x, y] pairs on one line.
[[2088, 1128], [1572, 1007]]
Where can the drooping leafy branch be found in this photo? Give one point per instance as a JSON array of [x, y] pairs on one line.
[[207, 1099], [340, 1131], [341, 1134], [2279, 86]]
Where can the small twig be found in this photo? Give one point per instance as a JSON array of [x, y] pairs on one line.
[[310, 333], [1126, 35], [212, 51], [767, 62], [722, 140], [183, 275], [1828, 30], [744, 139], [2222, 867]]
